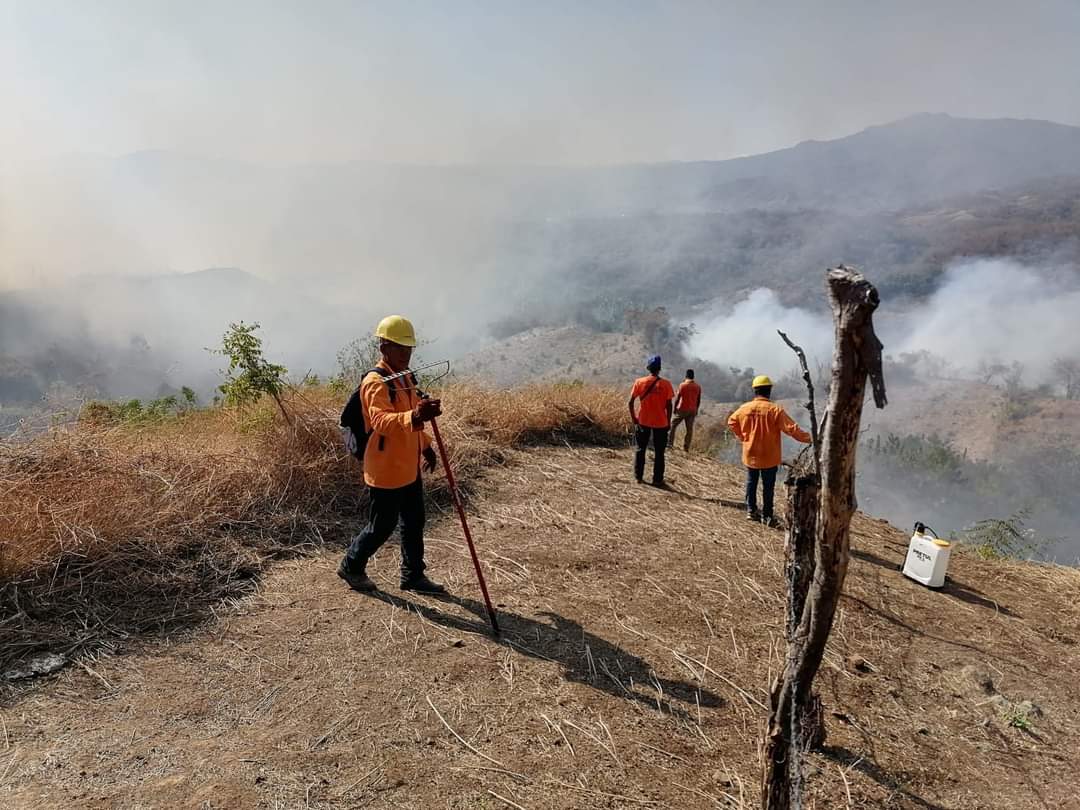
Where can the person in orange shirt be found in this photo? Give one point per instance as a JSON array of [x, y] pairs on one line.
[[687, 402], [652, 420], [392, 460], [758, 425]]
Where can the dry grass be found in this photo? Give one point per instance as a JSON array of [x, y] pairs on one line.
[[641, 631], [109, 531], [544, 414]]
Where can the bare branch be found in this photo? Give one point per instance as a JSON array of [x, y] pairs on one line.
[[809, 400]]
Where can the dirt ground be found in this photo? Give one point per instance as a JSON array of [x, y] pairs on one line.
[[641, 629]]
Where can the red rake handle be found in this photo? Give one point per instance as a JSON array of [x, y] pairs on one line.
[[464, 523]]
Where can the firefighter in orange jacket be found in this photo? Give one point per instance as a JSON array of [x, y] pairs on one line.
[[654, 394], [687, 402], [392, 461], [758, 425]]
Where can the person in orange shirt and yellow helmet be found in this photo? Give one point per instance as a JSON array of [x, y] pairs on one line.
[[394, 415], [758, 425]]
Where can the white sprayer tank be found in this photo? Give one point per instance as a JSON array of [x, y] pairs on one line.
[[927, 557]]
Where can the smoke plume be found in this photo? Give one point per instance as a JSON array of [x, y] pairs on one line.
[[985, 311]]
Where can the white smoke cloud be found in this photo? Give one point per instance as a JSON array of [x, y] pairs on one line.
[[746, 336], [996, 310]]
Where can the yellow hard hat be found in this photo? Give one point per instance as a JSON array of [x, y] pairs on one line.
[[760, 381], [397, 330]]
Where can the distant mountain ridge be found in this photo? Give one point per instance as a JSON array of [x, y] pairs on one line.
[[460, 247], [912, 161], [908, 162]]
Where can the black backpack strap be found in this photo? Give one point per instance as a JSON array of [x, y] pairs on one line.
[[416, 386], [384, 374], [648, 390]]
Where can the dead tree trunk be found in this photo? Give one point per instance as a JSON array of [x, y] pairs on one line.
[[807, 730], [803, 485], [856, 356], [803, 499]]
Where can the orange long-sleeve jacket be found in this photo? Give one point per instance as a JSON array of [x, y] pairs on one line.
[[392, 456], [758, 425]]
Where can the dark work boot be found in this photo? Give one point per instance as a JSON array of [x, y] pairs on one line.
[[754, 517], [770, 521], [358, 581], [422, 584]]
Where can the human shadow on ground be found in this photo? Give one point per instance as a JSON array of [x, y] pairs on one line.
[[871, 769], [584, 657]]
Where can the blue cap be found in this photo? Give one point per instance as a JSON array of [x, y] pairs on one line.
[[654, 362]]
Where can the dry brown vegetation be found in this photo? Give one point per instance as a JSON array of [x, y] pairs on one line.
[[112, 530], [641, 629]]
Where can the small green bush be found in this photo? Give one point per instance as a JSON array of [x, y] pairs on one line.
[[250, 376], [997, 538], [135, 411]]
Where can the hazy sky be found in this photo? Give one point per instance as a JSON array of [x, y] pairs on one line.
[[548, 82]]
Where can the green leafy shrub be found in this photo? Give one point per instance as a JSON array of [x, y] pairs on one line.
[[930, 459], [995, 538], [137, 412], [250, 376]]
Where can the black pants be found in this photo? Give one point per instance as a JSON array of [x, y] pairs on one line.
[[659, 441], [768, 485], [388, 506]]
